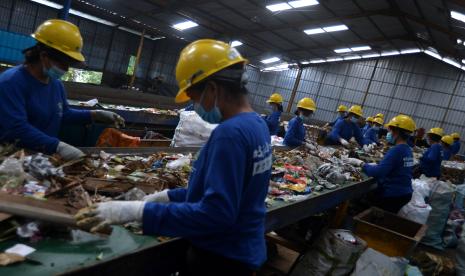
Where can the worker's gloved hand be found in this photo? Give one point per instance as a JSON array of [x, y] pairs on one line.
[[344, 142], [108, 117], [68, 152], [99, 217], [354, 162], [160, 197]]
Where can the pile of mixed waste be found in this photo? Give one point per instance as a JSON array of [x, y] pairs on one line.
[[453, 171], [92, 179], [95, 103], [298, 173]]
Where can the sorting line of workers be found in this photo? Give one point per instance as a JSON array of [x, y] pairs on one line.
[[222, 211]]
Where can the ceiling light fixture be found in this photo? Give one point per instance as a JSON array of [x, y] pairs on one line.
[[410, 51], [352, 57], [335, 28], [371, 55], [390, 53], [314, 31], [303, 3], [270, 60], [279, 7], [342, 50], [333, 59], [236, 43], [459, 41], [328, 29], [181, 26], [360, 48], [457, 16]]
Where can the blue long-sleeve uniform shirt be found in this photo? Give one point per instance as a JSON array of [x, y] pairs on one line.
[[455, 147], [371, 136], [272, 121], [223, 208], [365, 128], [346, 130], [394, 172], [430, 162], [446, 153], [32, 112], [295, 133], [337, 120]]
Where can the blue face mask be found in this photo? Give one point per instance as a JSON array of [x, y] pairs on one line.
[[390, 139], [354, 120], [213, 116], [301, 116], [376, 128], [54, 72]]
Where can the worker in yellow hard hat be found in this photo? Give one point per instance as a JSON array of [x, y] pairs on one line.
[[295, 134], [342, 112], [371, 135], [394, 173], [276, 105], [368, 125], [446, 143], [222, 212], [33, 102], [345, 129], [455, 148], [430, 162]]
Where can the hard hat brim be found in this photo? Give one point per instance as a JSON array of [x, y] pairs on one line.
[[181, 97]]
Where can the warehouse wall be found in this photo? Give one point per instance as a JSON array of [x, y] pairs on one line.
[[106, 48], [417, 85]]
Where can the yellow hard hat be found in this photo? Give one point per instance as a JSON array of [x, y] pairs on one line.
[[436, 130], [378, 120], [369, 119], [447, 139], [201, 59], [380, 115], [275, 98], [307, 103], [357, 110], [61, 35], [342, 108], [455, 135], [403, 122]]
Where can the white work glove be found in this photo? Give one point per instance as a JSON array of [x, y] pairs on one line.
[[366, 148], [68, 152], [99, 217], [343, 142], [354, 162], [159, 197], [108, 117]]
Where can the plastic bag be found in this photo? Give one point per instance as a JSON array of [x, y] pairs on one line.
[[374, 263], [416, 210], [440, 201], [332, 255], [191, 131], [179, 163], [12, 174], [277, 141]]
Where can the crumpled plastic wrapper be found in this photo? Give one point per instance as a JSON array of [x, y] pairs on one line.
[[40, 167]]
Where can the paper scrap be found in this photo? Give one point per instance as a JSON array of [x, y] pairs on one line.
[[20, 249]]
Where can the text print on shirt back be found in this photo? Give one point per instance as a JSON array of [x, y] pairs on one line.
[[408, 161], [262, 159], [60, 109]]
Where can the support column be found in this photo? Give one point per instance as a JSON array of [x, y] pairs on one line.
[[65, 11], [139, 51], [369, 83], [294, 90], [450, 100]]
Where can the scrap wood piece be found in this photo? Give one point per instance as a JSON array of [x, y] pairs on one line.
[[36, 209], [117, 186]]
